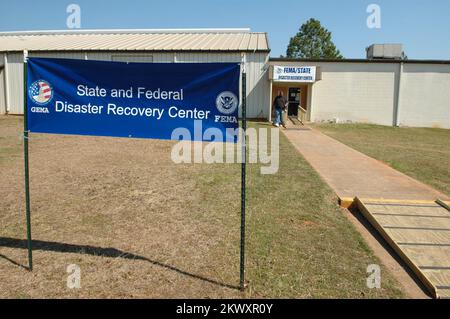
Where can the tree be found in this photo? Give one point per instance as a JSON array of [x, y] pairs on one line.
[[312, 42]]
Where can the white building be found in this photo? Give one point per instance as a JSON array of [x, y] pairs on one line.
[[153, 46], [386, 92]]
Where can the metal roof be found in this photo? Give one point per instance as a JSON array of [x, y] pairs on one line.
[[136, 40], [300, 60]]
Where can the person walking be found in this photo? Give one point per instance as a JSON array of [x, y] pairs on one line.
[[280, 104]]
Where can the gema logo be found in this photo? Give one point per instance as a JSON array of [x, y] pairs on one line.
[[227, 102], [41, 92]]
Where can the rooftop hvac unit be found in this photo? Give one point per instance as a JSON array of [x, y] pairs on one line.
[[385, 51]]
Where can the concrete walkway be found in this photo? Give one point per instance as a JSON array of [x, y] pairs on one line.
[[352, 174]]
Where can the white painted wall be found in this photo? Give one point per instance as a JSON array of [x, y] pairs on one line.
[[2, 89], [14, 71], [355, 92], [425, 96]]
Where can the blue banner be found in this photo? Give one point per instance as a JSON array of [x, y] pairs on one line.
[[141, 100]]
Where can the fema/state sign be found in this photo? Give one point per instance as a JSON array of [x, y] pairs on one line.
[[294, 74], [141, 100]]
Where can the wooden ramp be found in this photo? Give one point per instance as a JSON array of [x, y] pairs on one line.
[[419, 233]]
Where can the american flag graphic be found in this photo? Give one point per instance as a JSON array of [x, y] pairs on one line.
[[41, 91]]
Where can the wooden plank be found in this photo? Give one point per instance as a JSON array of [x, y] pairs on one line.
[[428, 210], [370, 201], [410, 236], [431, 223], [441, 280], [396, 248], [429, 256], [346, 202], [446, 205]]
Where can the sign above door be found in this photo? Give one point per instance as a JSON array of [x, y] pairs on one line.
[[302, 74]]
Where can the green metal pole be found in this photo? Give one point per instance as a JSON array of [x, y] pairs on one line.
[[243, 169], [27, 168]]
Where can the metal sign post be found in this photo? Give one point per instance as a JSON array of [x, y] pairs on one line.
[[26, 160], [243, 184]]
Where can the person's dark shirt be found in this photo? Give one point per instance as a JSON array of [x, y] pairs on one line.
[[280, 102]]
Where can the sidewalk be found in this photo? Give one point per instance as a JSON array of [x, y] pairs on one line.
[[352, 174]]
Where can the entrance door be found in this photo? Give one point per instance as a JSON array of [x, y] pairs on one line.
[[294, 101]]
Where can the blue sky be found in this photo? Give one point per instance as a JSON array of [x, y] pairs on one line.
[[423, 26]]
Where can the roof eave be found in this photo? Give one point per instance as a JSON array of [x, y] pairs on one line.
[[359, 61]]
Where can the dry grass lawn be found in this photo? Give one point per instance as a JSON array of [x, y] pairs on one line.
[[140, 226]]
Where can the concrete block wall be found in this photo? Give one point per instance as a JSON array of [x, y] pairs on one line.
[[425, 96], [355, 92], [365, 92]]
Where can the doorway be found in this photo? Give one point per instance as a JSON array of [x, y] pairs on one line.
[[297, 96], [294, 101]]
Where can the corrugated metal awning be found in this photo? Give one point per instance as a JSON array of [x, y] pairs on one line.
[[135, 40]]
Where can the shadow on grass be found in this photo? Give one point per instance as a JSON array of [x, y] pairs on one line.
[[13, 262], [95, 251]]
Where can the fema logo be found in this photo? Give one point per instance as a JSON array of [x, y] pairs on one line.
[[227, 102], [41, 92]]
